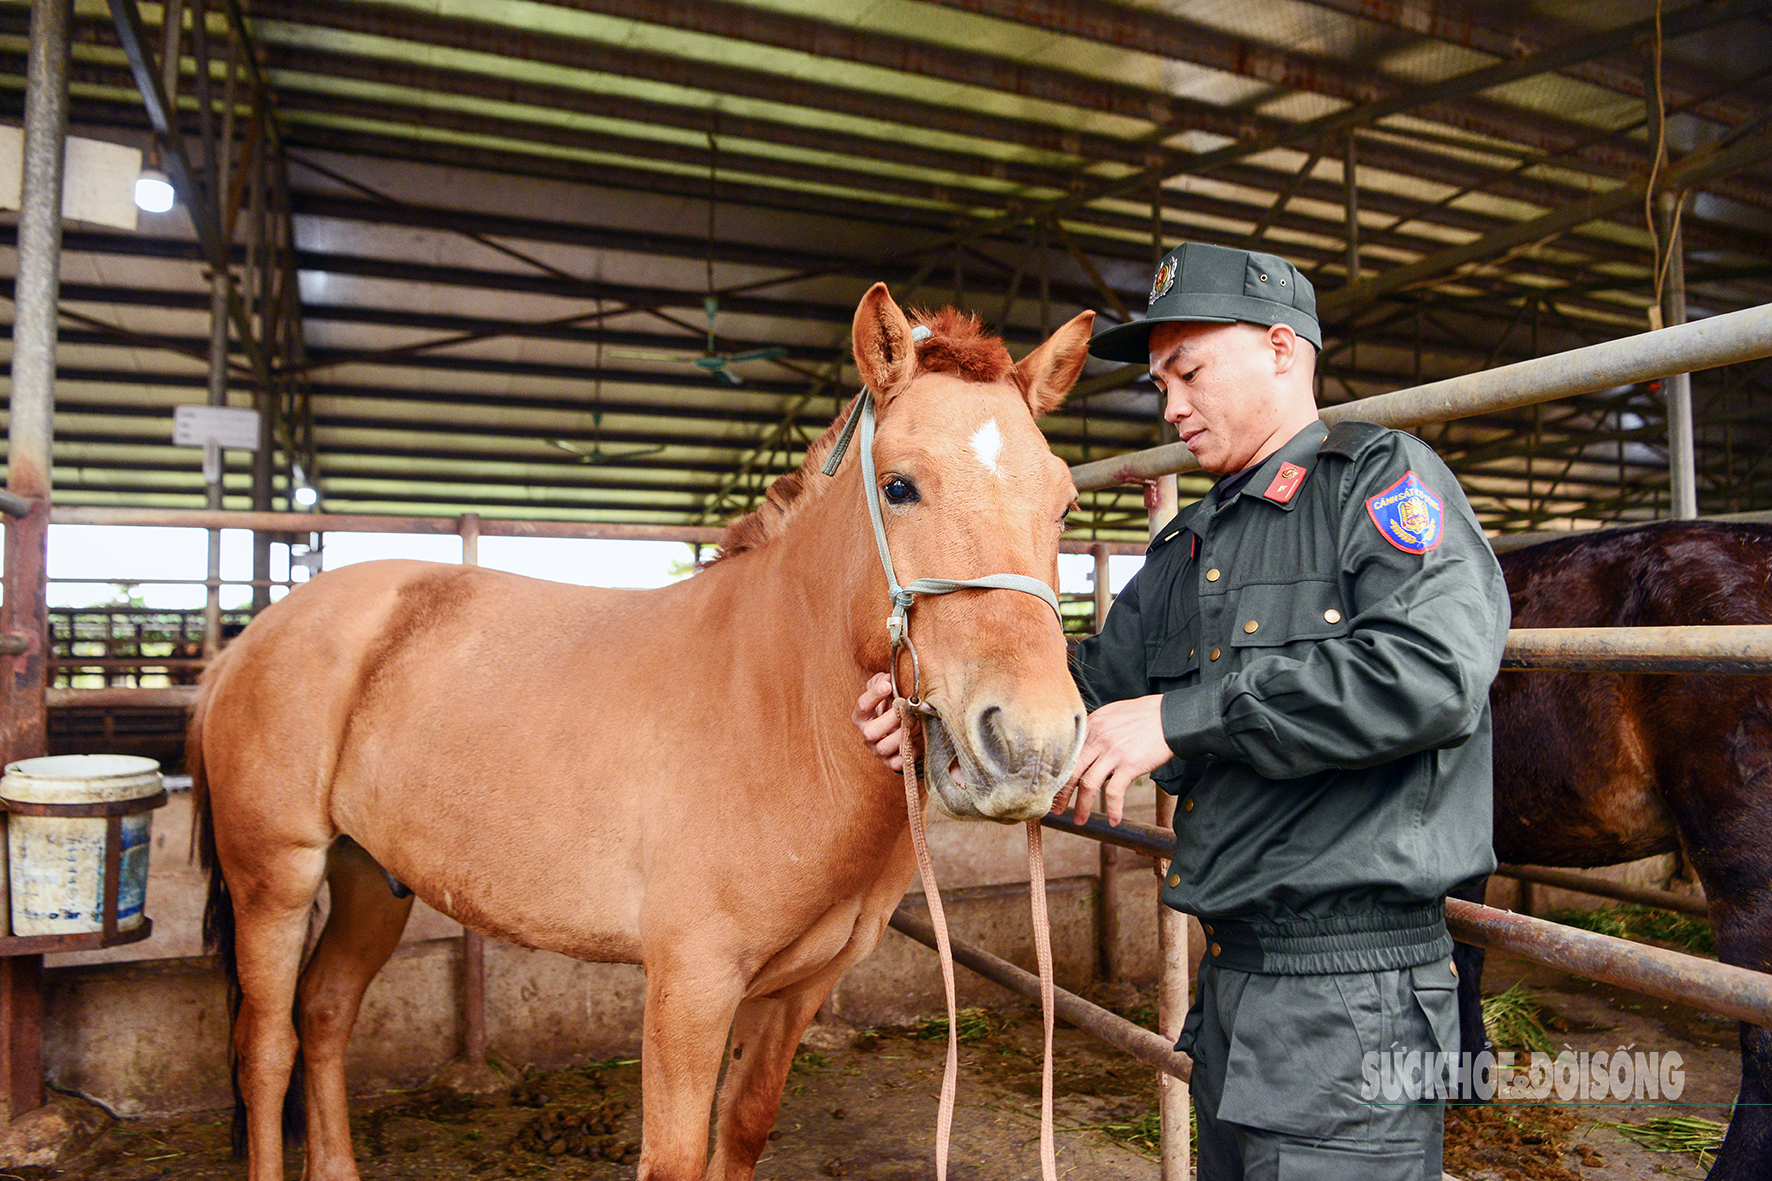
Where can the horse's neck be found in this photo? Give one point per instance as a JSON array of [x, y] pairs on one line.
[[803, 608]]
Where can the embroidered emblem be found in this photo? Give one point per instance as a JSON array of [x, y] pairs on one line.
[[1286, 483], [1408, 514], [1163, 280]]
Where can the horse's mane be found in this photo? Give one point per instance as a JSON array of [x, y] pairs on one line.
[[957, 343]]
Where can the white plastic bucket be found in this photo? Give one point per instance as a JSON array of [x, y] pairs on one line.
[[57, 864]]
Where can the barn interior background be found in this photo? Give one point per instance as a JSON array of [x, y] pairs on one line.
[[488, 256], [594, 261]]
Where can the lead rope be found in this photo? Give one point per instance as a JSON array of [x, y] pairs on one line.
[[944, 1119], [913, 798], [1043, 957]]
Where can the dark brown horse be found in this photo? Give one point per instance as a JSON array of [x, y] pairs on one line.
[[1595, 769]]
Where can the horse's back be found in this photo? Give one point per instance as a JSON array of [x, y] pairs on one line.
[[1599, 768], [429, 712], [1665, 574]]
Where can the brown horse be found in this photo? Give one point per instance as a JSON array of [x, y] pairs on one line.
[[1595, 769], [665, 777]]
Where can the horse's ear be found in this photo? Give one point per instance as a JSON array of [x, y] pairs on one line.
[[1049, 372], [884, 351]]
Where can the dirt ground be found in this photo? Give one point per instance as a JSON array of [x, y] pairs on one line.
[[861, 1104]]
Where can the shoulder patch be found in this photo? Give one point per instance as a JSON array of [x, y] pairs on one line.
[[1408, 515]]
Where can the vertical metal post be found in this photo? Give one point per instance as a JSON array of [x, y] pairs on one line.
[[1107, 911], [1172, 955], [1350, 184], [213, 459], [1676, 390], [473, 944], [30, 434]]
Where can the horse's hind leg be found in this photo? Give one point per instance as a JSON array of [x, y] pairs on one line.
[[765, 1034], [272, 893], [362, 930]]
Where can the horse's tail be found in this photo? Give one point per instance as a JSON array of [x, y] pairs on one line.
[[218, 919]]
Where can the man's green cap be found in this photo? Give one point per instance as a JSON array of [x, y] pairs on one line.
[[1200, 282]]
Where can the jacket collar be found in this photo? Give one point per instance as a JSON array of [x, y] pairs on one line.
[[1268, 484], [1282, 476]]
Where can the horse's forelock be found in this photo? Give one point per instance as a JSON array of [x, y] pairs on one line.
[[957, 344]]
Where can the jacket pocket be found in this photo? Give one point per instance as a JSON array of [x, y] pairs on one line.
[[1268, 615], [1176, 654]]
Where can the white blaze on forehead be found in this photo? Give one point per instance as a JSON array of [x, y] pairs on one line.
[[987, 444]]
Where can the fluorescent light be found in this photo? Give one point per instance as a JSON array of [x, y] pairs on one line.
[[153, 192]]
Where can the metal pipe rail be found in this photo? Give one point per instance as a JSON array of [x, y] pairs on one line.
[[1745, 335], [1725, 649], [276, 522], [1585, 883], [1144, 1045], [1723, 989]]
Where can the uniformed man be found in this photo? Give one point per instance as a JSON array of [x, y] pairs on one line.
[[1305, 661]]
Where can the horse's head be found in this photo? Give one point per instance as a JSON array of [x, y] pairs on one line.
[[968, 487]]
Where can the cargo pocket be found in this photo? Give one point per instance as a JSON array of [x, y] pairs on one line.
[[1296, 1058], [1436, 1003]]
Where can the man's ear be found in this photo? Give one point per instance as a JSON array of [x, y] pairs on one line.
[[1288, 350], [1049, 372], [884, 352]]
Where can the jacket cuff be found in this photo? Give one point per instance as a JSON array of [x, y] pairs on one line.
[[1193, 723]]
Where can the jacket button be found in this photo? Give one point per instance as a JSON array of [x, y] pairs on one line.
[[1216, 950], [1190, 653], [1454, 966], [1187, 805], [1249, 628], [1208, 927], [1332, 616], [1174, 880], [1212, 574], [1212, 655]]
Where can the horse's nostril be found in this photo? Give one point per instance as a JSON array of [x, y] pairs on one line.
[[993, 744]]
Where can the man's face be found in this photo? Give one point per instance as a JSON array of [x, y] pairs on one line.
[[1222, 388]]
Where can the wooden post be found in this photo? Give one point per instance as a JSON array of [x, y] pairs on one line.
[[1107, 902], [473, 944], [1172, 956]]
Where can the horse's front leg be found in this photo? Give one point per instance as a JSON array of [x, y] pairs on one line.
[[691, 993], [765, 1034]]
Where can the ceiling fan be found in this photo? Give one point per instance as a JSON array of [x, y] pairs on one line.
[[597, 455], [711, 361]]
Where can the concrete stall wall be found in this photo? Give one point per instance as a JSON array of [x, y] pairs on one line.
[[143, 1029]]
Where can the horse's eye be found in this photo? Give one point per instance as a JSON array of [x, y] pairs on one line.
[[900, 491]]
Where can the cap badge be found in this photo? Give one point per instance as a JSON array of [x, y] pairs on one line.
[[1164, 279]]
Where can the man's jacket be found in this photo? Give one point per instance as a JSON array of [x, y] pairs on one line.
[[1324, 640]]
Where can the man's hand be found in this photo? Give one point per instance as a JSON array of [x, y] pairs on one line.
[[878, 721], [1124, 740]]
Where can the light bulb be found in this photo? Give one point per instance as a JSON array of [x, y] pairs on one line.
[[306, 497], [153, 192]]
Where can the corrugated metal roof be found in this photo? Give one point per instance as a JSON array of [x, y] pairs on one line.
[[501, 219]]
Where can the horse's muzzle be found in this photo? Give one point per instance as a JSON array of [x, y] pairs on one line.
[[999, 771]]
